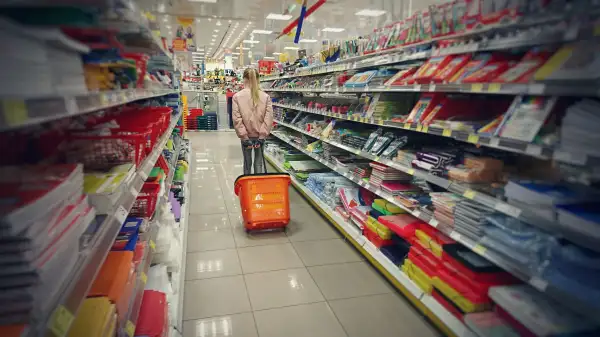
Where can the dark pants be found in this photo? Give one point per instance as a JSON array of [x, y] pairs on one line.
[[258, 156]]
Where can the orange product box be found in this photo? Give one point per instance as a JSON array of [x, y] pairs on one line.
[[113, 278]]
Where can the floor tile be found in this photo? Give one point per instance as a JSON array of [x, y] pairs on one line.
[[301, 229], [203, 222], [316, 253], [281, 288], [380, 316], [210, 240], [261, 238], [239, 325], [348, 280], [307, 320], [215, 263], [267, 258], [215, 297]]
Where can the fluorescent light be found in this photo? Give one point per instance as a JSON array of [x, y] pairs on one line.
[[216, 30], [161, 8], [214, 35], [370, 12], [207, 1], [291, 48], [261, 31], [334, 30], [268, 58], [251, 41], [235, 53], [276, 53], [202, 53], [275, 16], [308, 40], [234, 57], [218, 23]]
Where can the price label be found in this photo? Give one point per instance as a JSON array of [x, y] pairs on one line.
[[417, 87], [479, 249], [130, 329], [508, 209], [494, 142], [456, 236], [103, 99], [387, 88], [434, 222], [407, 126], [152, 245], [533, 150], [15, 111], [494, 87], [144, 277], [473, 139], [121, 214], [425, 129], [61, 321], [477, 87], [380, 122], [538, 283], [377, 158], [419, 127], [417, 213], [469, 194], [432, 87], [133, 191], [411, 171], [447, 133], [144, 175]]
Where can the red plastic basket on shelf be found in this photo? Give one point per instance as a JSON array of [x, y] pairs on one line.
[[141, 65], [162, 163], [145, 204], [100, 152]]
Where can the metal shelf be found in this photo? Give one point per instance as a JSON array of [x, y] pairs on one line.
[[72, 294], [505, 144], [522, 214], [544, 89], [18, 112], [535, 281], [383, 264]]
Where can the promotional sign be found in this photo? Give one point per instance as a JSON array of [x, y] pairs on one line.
[[184, 39]]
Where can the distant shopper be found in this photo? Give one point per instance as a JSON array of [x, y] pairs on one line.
[[252, 120]]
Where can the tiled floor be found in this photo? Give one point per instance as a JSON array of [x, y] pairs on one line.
[[307, 282]]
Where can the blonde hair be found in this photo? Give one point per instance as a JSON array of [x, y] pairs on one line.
[[251, 75]]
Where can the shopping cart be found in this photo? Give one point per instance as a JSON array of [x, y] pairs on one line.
[[264, 199]]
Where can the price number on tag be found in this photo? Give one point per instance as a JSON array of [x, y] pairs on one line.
[[121, 214], [61, 321]]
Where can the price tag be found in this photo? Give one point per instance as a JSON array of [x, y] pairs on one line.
[[144, 175], [494, 142], [61, 321], [121, 214], [456, 236], [387, 88], [130, 329], [411, 172], [447, 133], [477, 87], [133, 191], [152, 245], [15, 111], [508, 209], [417, 87], [144, 277], [419, 127], [469, 194], [407, 125], [538, 283], [434, 222], [425, 129], [536, 89], [103, 99], [380, 122], [432, 87], [494, 87], [417, 213], [479, 249], [473, 139], [377, 158], [356, 151]]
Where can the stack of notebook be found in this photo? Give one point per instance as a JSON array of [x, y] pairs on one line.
[[382, 173], [469, 218], [444, 203]]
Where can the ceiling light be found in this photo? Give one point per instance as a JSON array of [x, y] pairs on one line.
[[276, 53], [207, 1], [213, 40], [251, 41], [168, 26], [291, 48], [216, 30], [261, 31], [215, 35], [212, 43], [370, 12], [161, 8], [196, 53], [308, 40], [282, 17], [268, 58], [334, 30], [218, 23]]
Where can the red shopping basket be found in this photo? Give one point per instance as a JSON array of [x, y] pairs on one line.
[[264, 199], [145, 204]]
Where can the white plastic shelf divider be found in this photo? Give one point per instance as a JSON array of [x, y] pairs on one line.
[[73, 292], [184, 229], [535, 281], [18, 112], [457, 327]]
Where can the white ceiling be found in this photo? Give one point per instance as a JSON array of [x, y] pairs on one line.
[[222, 24]]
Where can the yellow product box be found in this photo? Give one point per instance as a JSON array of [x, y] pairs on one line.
[[105, 188], [457, 298], [381, 230], [429, 243], [421, 279], [95, 318]]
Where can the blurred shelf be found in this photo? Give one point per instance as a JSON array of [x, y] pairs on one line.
[[18, 112], [524, 275], [523, 214], [396, 276], [544, 89], [71, 295]]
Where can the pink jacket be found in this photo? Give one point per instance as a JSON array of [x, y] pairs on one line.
[[252, 121]]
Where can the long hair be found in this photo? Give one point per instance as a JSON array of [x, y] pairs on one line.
[[251, 75]]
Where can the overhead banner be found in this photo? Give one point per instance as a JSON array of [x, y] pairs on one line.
[[184, 39]]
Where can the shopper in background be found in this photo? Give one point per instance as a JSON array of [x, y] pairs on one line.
[[252, 120]]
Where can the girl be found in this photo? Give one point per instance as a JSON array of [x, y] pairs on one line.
[[252, 114]]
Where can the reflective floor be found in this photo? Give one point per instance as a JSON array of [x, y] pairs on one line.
[[307, 282]]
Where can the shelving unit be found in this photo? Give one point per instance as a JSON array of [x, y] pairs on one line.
[[534, 281]]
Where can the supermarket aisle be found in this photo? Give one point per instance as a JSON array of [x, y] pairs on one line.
[[308, 282]]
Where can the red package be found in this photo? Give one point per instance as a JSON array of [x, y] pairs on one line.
[[376, 239], [431, 68], [457, 63], [153, 315], [404, 225], [524, 70], [488, 72], [424, 106]]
